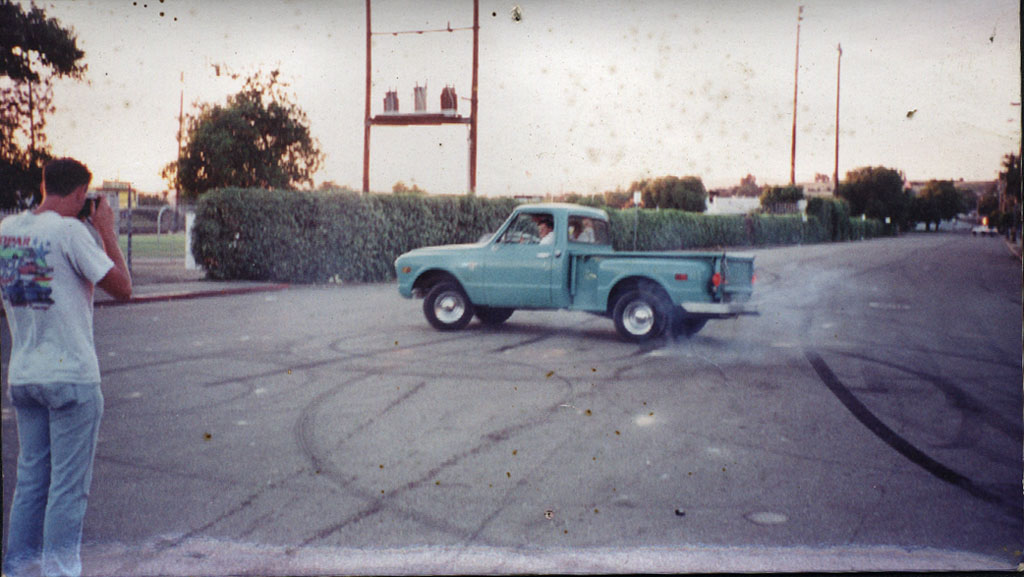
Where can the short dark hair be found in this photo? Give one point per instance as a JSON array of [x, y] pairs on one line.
[[64, 175]]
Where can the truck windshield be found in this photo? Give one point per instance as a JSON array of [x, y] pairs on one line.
[[529, 228], [587, 230]]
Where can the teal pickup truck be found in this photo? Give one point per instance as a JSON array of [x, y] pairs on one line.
[[559, 256]]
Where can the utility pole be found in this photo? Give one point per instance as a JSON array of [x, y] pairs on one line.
[[796, 77], [835, 174], [366, 116], [473, 95], [422, 117]]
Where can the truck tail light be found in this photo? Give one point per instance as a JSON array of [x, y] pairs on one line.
[[753, 278], [716, 280], [682, 276]]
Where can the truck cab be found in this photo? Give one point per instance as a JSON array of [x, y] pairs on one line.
[[531, 255]]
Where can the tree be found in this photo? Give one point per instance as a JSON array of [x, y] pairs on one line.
[[34, 50], [877, 192], [939, 200], [775, 197], [748, 186], [988, 204], [258, 139], [686, 193], [401, 188], [1010, 179]]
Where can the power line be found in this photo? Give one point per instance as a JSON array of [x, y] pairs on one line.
[[401, 32]]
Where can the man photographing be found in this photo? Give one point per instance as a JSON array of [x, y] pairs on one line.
[[49, 265]]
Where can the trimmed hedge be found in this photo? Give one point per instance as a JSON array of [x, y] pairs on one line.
[[676, 230], [330, 236], [253, 234]]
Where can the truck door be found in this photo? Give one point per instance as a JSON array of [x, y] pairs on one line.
[[520, 268]]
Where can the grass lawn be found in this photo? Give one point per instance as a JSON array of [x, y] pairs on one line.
[[155, 246]]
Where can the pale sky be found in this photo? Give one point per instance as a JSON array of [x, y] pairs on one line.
[[580, 96]]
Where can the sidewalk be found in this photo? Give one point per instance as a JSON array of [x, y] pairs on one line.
[[157, 280]]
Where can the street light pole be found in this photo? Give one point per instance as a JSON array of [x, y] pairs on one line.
[[796, 77], [177, 170]]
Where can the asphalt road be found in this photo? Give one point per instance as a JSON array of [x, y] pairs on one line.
[[869, 419]]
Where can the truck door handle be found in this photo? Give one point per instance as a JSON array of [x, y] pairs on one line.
[[558, 253]]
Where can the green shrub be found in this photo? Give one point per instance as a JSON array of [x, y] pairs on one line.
[[678, 230], [320, 236], [332, 236]]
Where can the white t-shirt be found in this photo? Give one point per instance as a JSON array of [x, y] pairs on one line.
[[49, 265]]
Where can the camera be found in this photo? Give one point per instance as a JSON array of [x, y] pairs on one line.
[[92, 200]]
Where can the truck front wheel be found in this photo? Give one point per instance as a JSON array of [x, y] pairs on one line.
[[447, 307], [640, 315], [493, 316]]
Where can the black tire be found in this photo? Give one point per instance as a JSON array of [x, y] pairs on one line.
[[685, 326], [447, 307], [641, 315], [493, 316]]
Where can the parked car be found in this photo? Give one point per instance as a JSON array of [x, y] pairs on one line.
[[983, 230]]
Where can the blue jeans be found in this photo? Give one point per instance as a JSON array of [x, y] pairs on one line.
[[58, 426]]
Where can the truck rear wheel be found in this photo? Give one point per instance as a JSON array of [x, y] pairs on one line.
[[640, 315], [447, 307], [686, 326]]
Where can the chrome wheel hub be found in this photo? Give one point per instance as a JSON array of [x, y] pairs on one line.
[[449, 307], [638, 318]]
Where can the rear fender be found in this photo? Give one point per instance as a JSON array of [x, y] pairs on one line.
[[630, 283]]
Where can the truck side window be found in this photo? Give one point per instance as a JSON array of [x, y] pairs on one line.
[[526, 229], [587, 230]]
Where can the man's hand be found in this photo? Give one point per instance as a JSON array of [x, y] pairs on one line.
[[118, 282], [103, 217]]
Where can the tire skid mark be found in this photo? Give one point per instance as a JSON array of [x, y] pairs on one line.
[[177, 360], [960, 398], [171, 472], [522, 343], [359, 428], [894, 440], [131, 567], [304, 430], [378, 505], [520, 483], [377, 502]]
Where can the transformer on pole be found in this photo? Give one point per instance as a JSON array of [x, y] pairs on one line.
[[421, 117]]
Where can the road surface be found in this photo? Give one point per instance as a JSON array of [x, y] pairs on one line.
[[869, 419]]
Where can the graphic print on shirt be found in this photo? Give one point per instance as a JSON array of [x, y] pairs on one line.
[[24, 276]]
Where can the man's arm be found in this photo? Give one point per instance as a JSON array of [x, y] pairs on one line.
[[118, 281]]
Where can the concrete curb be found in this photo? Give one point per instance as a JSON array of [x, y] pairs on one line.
[[1014, 248], [192, 294]]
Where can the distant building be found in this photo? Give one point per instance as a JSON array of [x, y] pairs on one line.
[[117, 192], [732, 204], [821, 187]]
